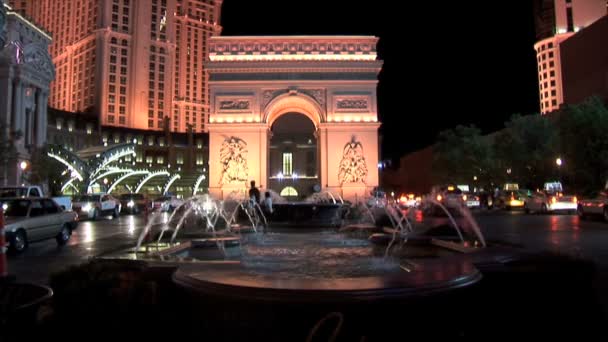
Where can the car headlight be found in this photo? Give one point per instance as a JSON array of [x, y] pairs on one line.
[[87, 207], [4, 206], [131, 204]]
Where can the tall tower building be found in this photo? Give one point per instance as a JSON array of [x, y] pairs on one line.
[[556, 21], [134, 62]]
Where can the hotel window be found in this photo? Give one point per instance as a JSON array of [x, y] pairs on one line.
[[122, 120], [149, 159], [59, 124], [138, 157], [150, 141], [70, 126], [287, 164], [179, 158], [89, 129], [160, 160], [116, 139], [199, 143], [199, 159], [161, 142]]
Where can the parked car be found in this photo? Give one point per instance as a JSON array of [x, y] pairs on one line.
[[134, 203], [166, 203], [596, 206], [33, 191], [409, 201], [471, 200], [35, 219], [551, 199], [96, 205]]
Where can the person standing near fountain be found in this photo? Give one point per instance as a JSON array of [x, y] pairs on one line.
[[267, 204], [254, 193]]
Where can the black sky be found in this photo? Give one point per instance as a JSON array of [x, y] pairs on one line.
[[446, 63]]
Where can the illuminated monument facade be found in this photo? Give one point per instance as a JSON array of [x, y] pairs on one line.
[[295, 114]]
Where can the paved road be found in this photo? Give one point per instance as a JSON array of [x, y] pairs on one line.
[[562, 233]]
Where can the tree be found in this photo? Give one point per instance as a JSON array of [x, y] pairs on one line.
[[527, 147], [8, 153], [463, 155], [584, 135], [44, 169]]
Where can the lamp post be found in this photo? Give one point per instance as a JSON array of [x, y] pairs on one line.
[[559, 162], [23, 165]]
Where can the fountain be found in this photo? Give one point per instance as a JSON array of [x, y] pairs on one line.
[[301, 273]]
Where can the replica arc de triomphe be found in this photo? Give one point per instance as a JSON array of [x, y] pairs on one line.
[[331, 80]]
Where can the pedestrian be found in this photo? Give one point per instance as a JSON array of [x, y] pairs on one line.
[[254, 193], [267, 205]]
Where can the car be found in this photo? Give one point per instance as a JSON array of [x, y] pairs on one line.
[[550, 200], [471, 200], [134, 203], [596, 206], [409, 201], [64, 202], [35, 219], [166, 203], [450, 196], [96, 205]]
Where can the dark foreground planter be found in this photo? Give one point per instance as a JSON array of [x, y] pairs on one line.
[[19, 307]]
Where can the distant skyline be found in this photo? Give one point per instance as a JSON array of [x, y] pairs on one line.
[[459, 64]]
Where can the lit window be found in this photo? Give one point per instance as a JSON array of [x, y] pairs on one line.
[[199, 143], [160, 160], [199, 159], [287, 164], [289, 192], [70, 126], [179, 158], [150, 141], [89, 129], [161, 142], [149, 159]]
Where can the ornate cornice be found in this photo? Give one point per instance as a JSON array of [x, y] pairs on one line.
[[293, 48]]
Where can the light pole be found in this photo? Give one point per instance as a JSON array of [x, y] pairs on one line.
[[23, 166], [559, 162]]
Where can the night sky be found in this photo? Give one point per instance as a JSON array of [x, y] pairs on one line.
[[445, 64]]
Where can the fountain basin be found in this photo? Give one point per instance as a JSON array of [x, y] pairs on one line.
[[306, 215], [414, 279]]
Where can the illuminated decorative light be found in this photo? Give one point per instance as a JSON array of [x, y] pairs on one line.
[[68, 183], [257, 119], [198, 183], [288, 57], [150, 176], [250, 119], [229, 120], [239, 119], [119, 180], [220, 120], [70, 167], [111, 172], [173, 179], [211, 120]]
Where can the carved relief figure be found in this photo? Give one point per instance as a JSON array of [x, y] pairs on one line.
[[353, 168], [233, 157], [352, 104], [234, 105]]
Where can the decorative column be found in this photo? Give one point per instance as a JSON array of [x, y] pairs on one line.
[[17, 112], [40, 121], [6, 102]]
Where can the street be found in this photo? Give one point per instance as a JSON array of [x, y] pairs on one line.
[[565, 234]]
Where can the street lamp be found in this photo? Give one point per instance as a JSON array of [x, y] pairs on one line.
[[23, 165], [559, 162]]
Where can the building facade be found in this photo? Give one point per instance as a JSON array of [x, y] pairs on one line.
[[26, 70], [556, 21], [585, 63], [135, 62], [328, 81], [182, 156]]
